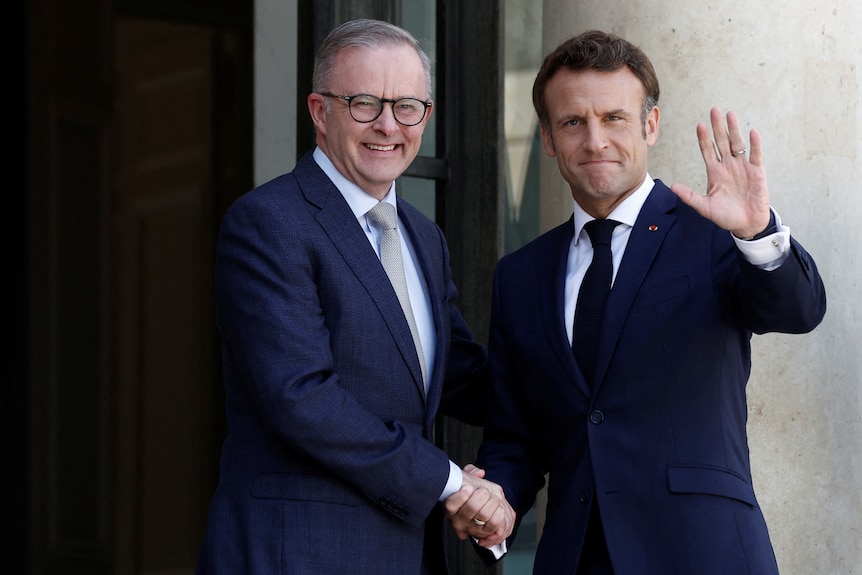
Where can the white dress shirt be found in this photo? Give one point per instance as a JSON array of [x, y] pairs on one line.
[[360, 203], [767, 253]]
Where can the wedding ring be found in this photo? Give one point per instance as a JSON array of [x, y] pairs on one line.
[[479, 522], [740, 152]]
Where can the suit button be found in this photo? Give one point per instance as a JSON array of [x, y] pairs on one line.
[[597, 417], [585, 497]]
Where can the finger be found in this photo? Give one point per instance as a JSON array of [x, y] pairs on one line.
[[707, 146], [756, 154], [471, 508], [497, 520], [456, 501], [719, 132], [738, 147], [690, 197], [496, 515], [501, 532], [489, 517]]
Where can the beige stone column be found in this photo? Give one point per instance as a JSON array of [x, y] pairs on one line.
[[792, 71]]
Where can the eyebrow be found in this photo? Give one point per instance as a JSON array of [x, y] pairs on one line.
[[613, 112]]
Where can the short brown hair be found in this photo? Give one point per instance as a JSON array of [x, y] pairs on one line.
[[596, 50]]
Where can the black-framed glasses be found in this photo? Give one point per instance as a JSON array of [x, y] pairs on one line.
[[366, 108]]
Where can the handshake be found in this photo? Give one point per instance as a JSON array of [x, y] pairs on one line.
[[480, 510]]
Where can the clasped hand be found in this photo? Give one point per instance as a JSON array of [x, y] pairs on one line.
[[479, 509]]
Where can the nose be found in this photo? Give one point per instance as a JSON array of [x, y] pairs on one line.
[[386, 122], [596, 138]]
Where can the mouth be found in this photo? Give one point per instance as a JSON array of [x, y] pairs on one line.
[[597, 163], [377, 148]]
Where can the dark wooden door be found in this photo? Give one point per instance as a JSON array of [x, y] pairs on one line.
[[69, 274], [139, 130], [165, 399]]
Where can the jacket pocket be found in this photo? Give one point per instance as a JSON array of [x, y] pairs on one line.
[[711, 481], [304, 487]]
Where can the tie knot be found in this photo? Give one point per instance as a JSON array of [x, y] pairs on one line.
[[600, 231], [383, 215]]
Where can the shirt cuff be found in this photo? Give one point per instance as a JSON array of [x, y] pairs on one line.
[[497, 550], [454, 482], [767, 252]]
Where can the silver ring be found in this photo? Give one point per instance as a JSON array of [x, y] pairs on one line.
[[479, 522], [740, 152]]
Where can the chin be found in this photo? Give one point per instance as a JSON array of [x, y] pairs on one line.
[[388, 174]]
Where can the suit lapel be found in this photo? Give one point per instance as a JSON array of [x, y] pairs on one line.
[[651, 227], [338, 222], [552, 280]]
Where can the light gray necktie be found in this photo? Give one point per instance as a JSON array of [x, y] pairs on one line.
[[384, 217]]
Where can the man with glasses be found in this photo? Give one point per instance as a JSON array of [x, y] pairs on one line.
[[338, 351]]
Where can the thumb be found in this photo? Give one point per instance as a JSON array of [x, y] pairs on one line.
[[473, 470]]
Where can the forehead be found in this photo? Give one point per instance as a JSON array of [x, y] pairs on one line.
[[386, 71], [573, 91]]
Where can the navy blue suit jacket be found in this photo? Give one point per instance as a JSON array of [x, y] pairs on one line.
[[329, 465], [661, 439]]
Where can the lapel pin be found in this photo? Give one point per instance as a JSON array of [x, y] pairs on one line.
[[653, 228]]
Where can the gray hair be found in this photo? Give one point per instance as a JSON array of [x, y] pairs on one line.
[[363, 33]]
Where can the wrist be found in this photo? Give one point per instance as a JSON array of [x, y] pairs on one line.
[[770, 229]]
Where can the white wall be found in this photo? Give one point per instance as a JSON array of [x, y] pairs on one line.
[[791, 70]]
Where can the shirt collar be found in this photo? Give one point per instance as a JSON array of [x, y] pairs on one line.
[[359, 201], [625, 213]]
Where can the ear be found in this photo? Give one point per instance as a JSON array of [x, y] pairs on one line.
[[428, 112], [548, 141], [651, 126], [317, 110]]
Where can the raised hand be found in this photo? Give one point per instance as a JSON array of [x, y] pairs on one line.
[[737, 198], [479, 509]]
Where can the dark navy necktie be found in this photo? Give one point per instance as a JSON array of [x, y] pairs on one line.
[[592, 296]]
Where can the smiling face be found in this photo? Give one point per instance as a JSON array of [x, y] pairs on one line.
[[371, 154], [598, 136]]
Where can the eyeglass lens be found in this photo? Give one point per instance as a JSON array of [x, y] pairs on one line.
[[366, 108]]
